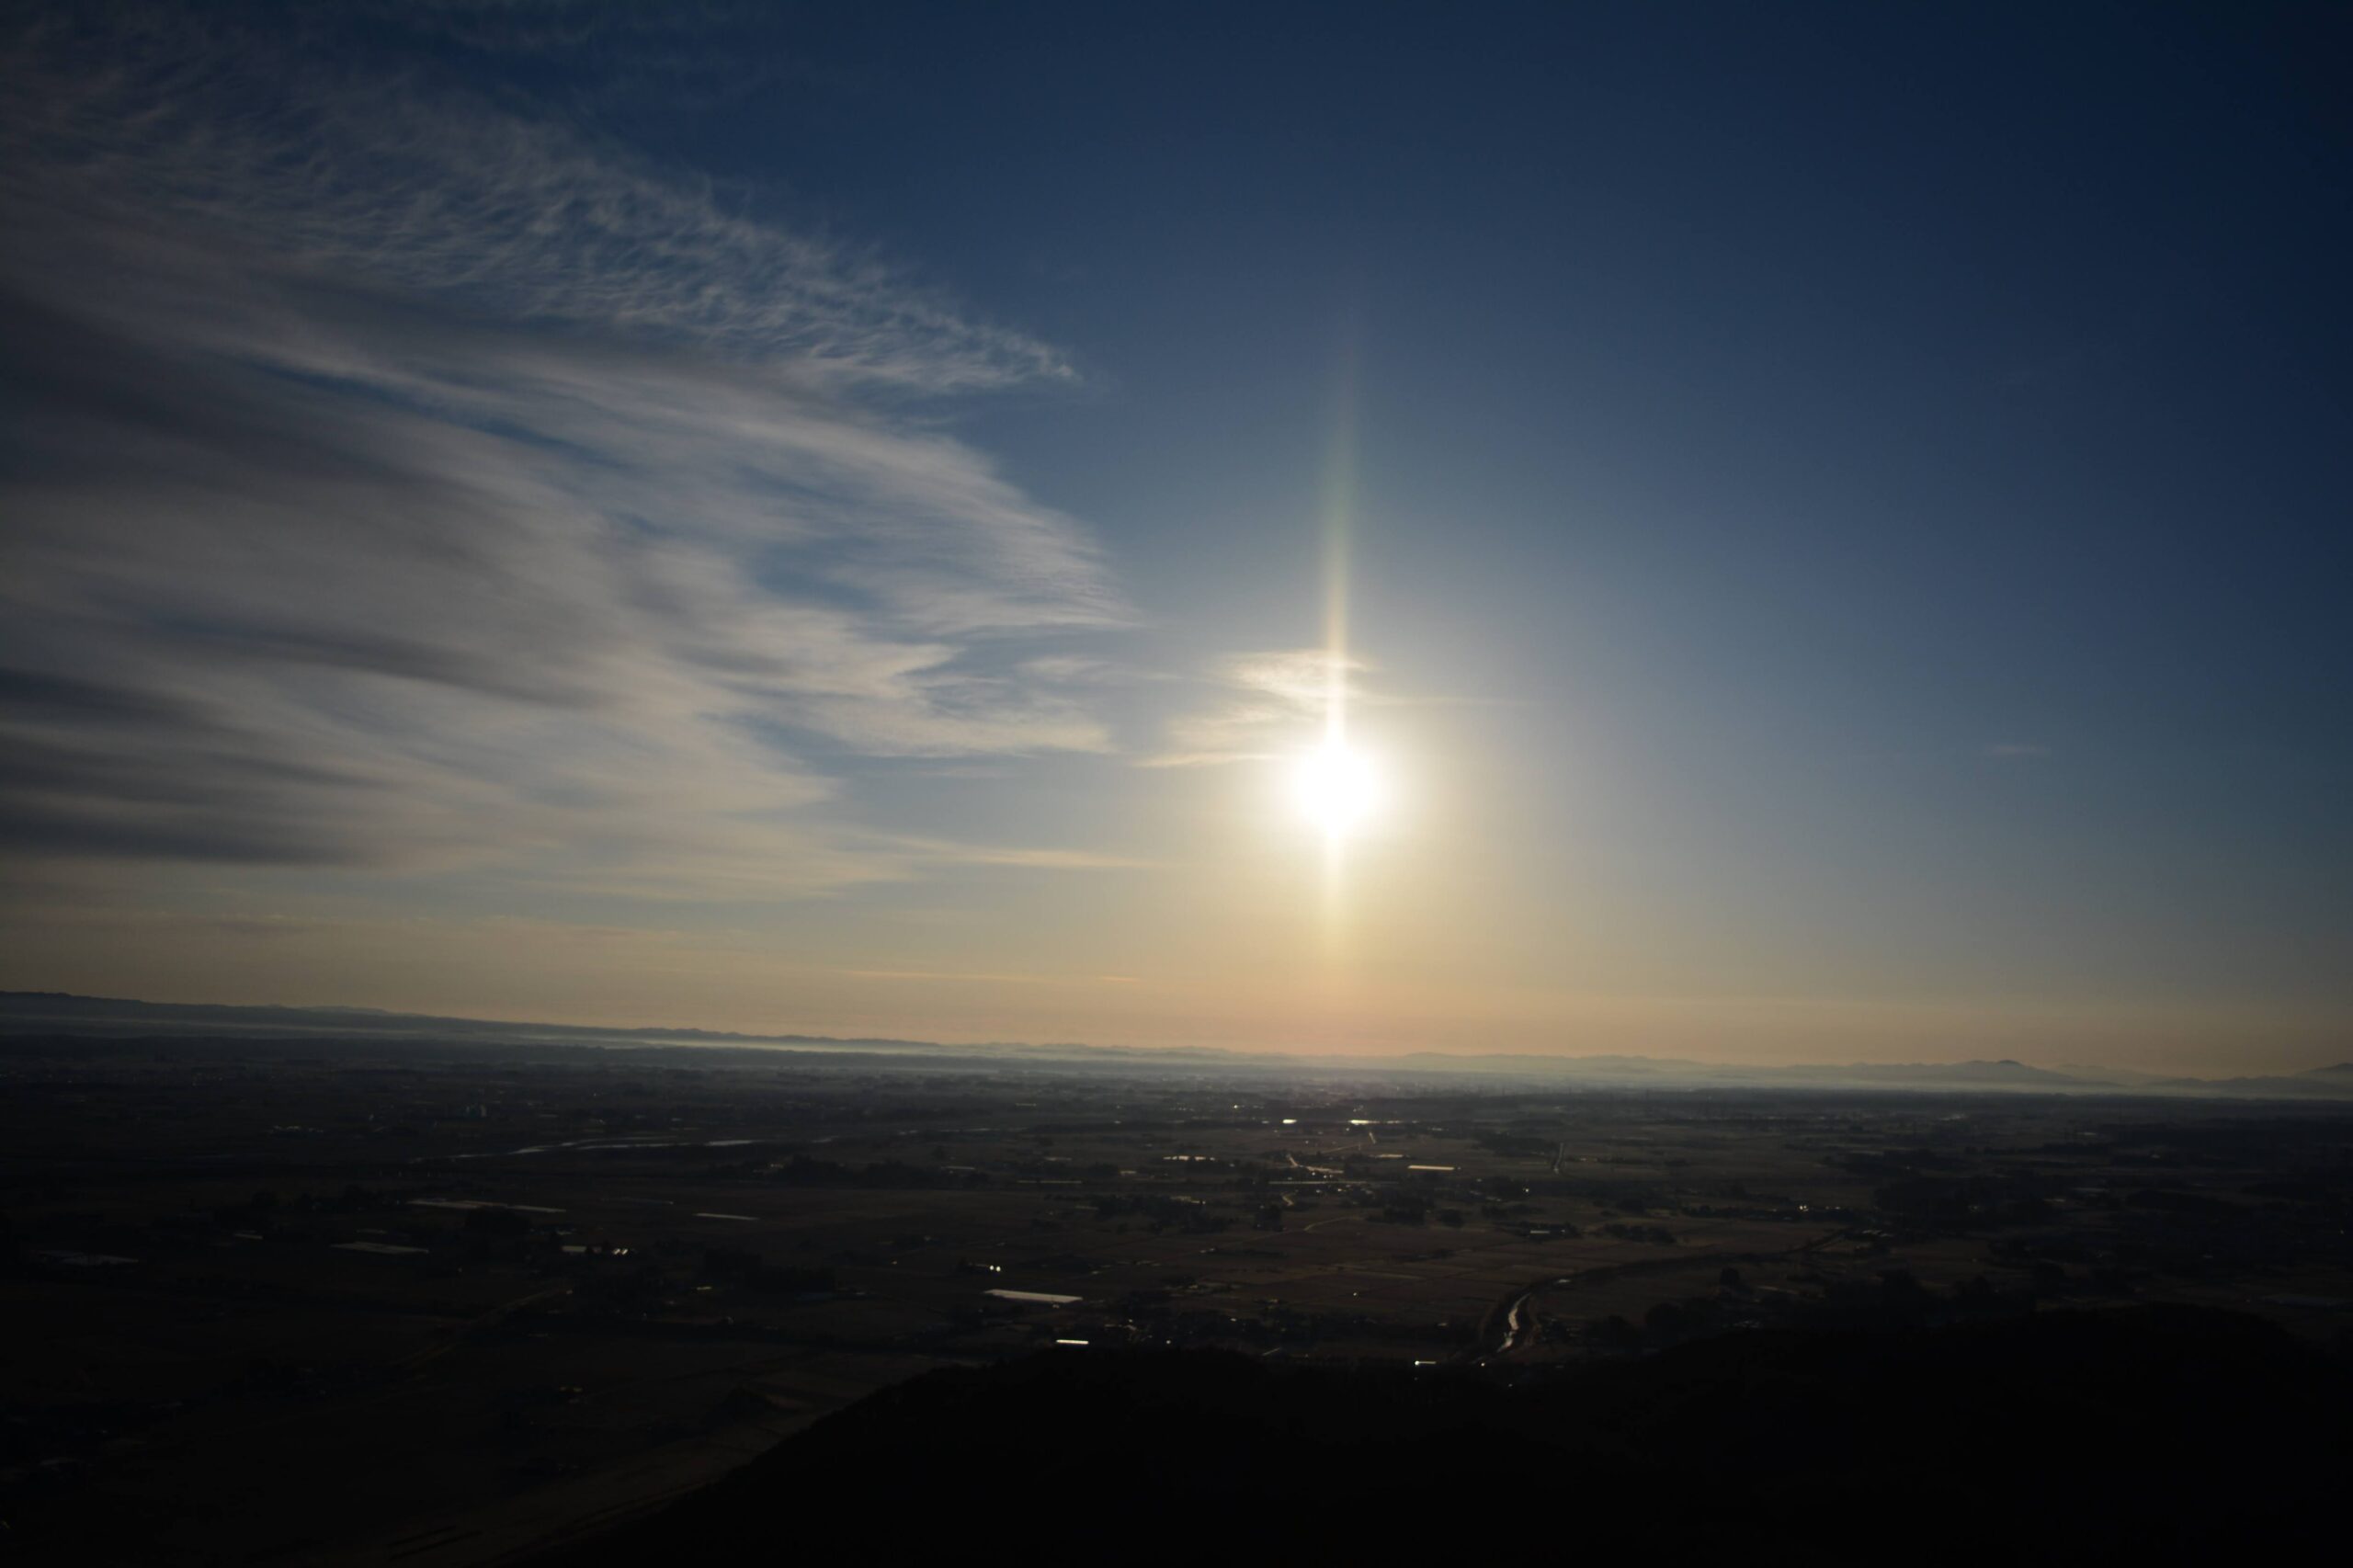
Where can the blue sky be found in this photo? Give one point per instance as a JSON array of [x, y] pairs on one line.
[[813, 517]]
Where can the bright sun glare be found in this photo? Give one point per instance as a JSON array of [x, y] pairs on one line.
[[1336, 788]]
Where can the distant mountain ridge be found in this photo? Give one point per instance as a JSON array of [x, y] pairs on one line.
[[2004, 1074], [33, 1013]]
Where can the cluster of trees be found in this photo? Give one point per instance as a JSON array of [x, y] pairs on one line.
[[746, 1268], [1657, 1236], [1517, 1146], [892, 1175], [265, 1207], [1893, 1300], [1961, 1203], [620, 1290], [1160, 1211]]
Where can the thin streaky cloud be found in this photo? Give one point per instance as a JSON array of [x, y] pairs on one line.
[[1262, 704], [397, 485], [191, 118]]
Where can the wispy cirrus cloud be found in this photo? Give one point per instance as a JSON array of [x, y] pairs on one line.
[[392, 480], [329, 160], [1263, 705]]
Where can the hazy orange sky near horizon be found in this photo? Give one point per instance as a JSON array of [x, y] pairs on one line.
[[563, 974]]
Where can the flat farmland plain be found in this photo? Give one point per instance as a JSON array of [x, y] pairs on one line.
[[309, 1301]]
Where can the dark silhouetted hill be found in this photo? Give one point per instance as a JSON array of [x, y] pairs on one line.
[[2169, 1434]]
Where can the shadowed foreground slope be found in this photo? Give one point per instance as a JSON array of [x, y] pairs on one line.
[[2154, 1428]]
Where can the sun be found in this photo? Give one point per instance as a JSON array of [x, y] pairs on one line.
[[1337, 788]]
